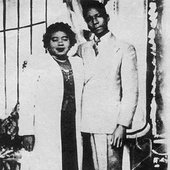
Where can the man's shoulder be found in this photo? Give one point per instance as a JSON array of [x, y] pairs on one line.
[[118, 43], [126, 49], [124, 44]]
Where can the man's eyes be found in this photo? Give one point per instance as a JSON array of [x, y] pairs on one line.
[[99, 15], [89, 19]]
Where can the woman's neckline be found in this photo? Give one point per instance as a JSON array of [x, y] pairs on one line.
[[58, 60]]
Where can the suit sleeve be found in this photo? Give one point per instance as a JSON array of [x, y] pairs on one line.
[[129, 85]]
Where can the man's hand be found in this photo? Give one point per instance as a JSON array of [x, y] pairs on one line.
[[118, 136]]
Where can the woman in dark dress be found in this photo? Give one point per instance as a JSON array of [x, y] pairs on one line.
[[59, 86]]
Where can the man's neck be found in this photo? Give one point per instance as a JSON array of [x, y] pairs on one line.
[[102, 34]]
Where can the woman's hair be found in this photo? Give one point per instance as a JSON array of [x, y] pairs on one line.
[[87, 4], [59, 26]]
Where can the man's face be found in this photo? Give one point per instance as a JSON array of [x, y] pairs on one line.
[[96, 22]]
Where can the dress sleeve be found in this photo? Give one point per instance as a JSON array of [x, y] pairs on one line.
[[27, 102]]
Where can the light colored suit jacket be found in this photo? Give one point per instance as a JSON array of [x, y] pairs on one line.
[[111, 86]]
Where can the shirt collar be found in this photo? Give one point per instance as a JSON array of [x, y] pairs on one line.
[[107, 36], [104, 38]]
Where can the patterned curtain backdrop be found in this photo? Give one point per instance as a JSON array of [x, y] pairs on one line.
[[156, 83], [155, 77]]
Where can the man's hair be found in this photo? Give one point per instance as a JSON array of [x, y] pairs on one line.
[[59, 26], [87, 4]]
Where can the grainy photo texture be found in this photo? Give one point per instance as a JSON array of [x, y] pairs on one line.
[[84, 84]]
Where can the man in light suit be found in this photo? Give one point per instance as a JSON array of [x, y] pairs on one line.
[[110, 92]]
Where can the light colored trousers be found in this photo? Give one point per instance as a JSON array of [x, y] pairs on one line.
[[98, 153]]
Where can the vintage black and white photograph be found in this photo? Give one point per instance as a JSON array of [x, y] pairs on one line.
[[84, 84]]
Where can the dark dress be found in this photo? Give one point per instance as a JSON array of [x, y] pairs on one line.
[[68, 126]]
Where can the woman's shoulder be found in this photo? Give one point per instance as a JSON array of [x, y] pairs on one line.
[[76, 62], [34, 66], [76, 58], [37, 61]]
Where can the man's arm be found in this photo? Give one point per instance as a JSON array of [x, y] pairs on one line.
[[129, 82]]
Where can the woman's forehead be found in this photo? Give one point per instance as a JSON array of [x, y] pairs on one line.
[[59, 34]]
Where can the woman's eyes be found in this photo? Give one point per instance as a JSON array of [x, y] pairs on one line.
[[55, 39], [65, 38]]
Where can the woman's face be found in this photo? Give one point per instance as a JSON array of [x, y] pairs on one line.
[[59, 45]]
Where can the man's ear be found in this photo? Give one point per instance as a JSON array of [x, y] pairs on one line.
[[107, 18]]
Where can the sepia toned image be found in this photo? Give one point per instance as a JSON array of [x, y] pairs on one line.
[[84, 84]]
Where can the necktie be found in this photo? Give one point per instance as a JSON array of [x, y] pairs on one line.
[[96, 41]]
